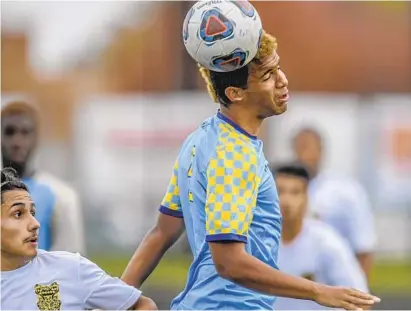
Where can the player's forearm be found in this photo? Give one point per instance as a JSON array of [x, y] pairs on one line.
[[166, 232], [366, 262], [145, 258], [250, 272]]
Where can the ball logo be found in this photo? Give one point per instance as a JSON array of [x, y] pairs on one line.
[[245, 7], [233, 61], [215, 26]]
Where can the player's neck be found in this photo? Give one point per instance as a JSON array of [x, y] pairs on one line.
[[10, 262], [244, 119], [290, 231], [314, 170]]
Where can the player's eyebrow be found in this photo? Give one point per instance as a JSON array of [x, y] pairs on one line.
[[276, 62], [262, 76], [19, 204]]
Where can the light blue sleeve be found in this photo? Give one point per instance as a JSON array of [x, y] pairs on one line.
[[103, 291]]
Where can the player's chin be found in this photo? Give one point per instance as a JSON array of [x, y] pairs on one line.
[[30, 250], [280, 107]]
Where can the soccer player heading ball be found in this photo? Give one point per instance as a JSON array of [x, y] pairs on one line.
[[224, 195]]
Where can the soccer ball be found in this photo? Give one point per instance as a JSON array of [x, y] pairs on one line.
[[222, 35]]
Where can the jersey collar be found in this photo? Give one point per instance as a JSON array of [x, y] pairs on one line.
[[237, 127]]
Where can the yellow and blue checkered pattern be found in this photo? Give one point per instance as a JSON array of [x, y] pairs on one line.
[[232, 185], [226, 194], [171, 204]]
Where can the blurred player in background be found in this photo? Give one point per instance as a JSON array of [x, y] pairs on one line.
[[310, 248], [340, 202], [223, 193], [34, 279], [58, 207]]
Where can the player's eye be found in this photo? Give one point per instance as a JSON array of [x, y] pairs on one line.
[[10, 131], [17, 214], [268, 76], [33, 213]]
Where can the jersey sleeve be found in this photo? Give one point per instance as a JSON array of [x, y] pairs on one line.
[[361, 231], [232, 185], [103, 291], [339, 264], [171, 204]]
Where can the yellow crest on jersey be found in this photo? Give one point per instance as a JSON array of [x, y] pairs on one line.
[[48, 296]]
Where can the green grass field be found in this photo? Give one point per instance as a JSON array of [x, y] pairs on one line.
[[387, 277]]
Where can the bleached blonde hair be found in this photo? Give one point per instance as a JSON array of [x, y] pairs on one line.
[[268, 44]]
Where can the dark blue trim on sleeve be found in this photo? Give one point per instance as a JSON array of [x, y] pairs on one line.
[[170, 212], [226, 237]]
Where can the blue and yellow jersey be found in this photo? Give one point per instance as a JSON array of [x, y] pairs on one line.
[[222, 187]]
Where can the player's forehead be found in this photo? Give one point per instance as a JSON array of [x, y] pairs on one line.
[[18, 120], [16, 197], [307, 138], [267, 63], [287, 180]]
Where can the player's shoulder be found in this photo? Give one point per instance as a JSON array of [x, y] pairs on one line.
[[321, 230], [336, 186], [325, 235], [56, 260], [58, 186], [340, 180]]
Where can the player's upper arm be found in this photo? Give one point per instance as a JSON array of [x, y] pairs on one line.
[[341, 267], [361, 229], [101, 291], [232, 183], [171, 204]]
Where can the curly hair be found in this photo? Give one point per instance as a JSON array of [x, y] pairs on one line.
[[10, 181], [217, 82]]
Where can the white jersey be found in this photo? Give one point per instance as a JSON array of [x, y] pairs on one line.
[[344, 205], [67, 219], [318, 253], [63, 281]]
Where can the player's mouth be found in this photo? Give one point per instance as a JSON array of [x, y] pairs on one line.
[[32, 240], [283, 98], [18, 155]]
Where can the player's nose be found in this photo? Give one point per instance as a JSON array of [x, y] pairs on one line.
[[281, 80], [34, 225]]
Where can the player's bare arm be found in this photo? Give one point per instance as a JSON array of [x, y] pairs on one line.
[[366, 262], [234, 263], [144, 303], [147, 256]]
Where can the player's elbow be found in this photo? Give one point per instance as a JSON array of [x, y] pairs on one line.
[[227, 261], [228, 272], [222, 269], [144, 303]]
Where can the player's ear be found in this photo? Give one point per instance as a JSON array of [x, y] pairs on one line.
[[234, 94]]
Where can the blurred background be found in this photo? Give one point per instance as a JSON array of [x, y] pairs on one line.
[[118, 95]]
